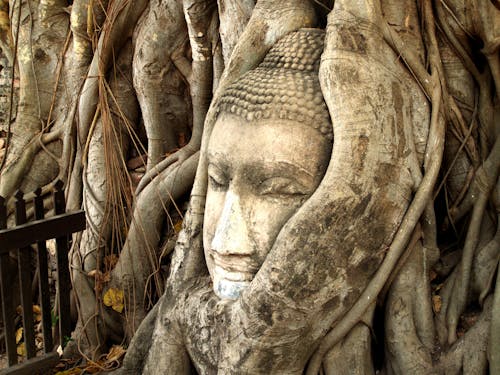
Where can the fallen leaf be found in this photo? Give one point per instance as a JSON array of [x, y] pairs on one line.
[[116, 352], [93, 273], [106, 277], [110, 261], [37, 313], [436, 303], [21, 349], [19, 335], [114, 298], [178, 226]]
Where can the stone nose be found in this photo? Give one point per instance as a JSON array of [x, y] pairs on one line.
[[231, 234]]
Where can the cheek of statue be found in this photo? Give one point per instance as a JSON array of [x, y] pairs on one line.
[[257, 181]]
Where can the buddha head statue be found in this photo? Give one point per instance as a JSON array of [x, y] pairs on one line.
[[268, 151]]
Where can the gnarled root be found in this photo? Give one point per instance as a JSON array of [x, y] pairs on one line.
[[161, 89], [139, 259], [409, 326]]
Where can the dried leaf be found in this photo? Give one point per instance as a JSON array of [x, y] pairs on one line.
[[116, 352], [93, 273], [19, 335], [110, 261], [178, 226], [5, 33], [21, 349], [436, 303], [114, 298], [106, 277], [37, 313]]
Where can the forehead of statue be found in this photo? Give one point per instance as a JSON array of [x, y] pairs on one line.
[[237, 141], [234, 123]]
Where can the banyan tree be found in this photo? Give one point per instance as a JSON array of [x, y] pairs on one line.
[[271, 187]]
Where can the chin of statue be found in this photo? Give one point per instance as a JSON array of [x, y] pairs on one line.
[[229, 285]]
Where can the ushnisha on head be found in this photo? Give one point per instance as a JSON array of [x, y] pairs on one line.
[[284, 86], [267, 154]]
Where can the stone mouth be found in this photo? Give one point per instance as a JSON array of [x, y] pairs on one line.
[[234, 267]]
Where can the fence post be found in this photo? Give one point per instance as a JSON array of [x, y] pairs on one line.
[[43, 277], [7, 308], [24, 261], [63, 278]]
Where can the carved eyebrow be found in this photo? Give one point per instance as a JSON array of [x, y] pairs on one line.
[[217, 159], [268, 169], [281, 167]]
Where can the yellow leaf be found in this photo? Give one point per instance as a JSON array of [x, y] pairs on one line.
[[21, 349], [37, 313], [19, 335], [436, 303], [94, 367], [114, 298], [178, 226]]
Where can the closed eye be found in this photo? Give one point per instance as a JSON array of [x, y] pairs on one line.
[[217, 179], [282, 186]]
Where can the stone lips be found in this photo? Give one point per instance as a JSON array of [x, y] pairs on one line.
[[284, 86]]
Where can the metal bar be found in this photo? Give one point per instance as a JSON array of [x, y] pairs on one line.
[[63, 277], [43, 278], [7, 308], [24, 262], [41, 230], [38, 365]]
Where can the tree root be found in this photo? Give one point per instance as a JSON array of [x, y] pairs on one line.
[[168, 164], [469, 353], [352, 355], [494, 344], [409, 324], [138, 258], [458, 300], [423, 195], [12, 177]]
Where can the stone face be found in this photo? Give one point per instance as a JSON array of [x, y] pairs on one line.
[[273, 161], [257, 181]]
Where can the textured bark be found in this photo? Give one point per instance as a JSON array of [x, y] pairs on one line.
[[161, 88], [406, 216]]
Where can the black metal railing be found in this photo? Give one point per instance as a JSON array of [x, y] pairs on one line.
[[17, 242]]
